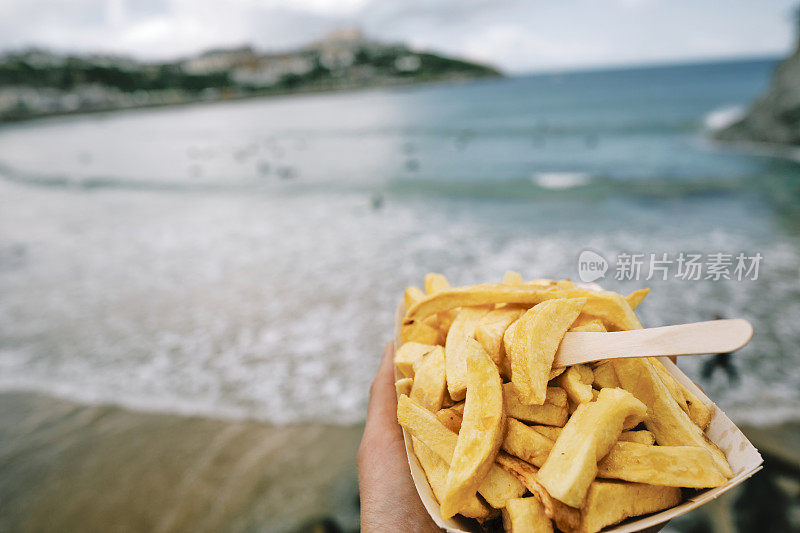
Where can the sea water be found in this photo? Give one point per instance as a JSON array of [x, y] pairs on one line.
[[246, 258]]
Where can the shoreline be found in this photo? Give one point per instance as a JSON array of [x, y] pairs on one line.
[[279, 93], [72, 467]]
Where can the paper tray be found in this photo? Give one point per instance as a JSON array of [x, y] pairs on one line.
[[741, 454]]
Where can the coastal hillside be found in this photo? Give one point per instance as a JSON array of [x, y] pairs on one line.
[[37, 82], [775, 117]]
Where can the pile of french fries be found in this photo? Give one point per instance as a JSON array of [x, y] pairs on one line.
[[499, 431]]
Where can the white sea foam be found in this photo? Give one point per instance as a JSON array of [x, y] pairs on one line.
[[560, 180], [276, 308], [723, 117]]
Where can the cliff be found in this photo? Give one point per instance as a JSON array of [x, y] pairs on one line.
[[775, 117], [37, 82]]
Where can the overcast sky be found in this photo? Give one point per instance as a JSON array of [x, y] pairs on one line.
[[517, 35]]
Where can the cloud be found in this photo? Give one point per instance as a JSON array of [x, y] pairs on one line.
[[518, 35]]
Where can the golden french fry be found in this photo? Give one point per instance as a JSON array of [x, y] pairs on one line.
[[407, 354], [586, 322], [577, 383], [491, 328], [593, 327], [610, 502], [526, 443], [533, 344], [429, 380], [674, 466], [604, 376], [588, 435], [403, 385], [482, 430], [641, 437], [436, 472], [565, 517], [457, 347], [612, 308], [512, 277], [451, 417], [421, 332], [551, 432], [526, 515], [636, 297], [666, 420], [553, 412], [412, 296], [497, 486], [691, 404], [435, 283]]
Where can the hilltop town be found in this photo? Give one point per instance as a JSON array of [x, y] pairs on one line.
[[38, 82]]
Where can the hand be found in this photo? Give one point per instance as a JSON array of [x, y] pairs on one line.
[[389, 500]]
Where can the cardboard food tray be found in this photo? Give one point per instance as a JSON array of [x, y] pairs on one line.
[[741, 454]]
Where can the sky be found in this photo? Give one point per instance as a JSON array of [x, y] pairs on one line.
[[516, 35]]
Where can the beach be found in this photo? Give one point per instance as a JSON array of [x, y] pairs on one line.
[[74, 467], [193, 301], [71, 467]]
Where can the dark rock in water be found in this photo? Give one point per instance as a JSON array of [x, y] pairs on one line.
[[775, 117]]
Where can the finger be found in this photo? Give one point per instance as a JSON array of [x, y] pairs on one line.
[[383, 398]]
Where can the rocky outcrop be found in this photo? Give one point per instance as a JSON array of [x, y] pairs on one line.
[[775, 117]]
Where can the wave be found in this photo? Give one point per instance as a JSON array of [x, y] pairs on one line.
[[723, 117], [560, 180]]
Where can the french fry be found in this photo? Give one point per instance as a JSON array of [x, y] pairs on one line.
[[604, 376], [491, 328], [553, 412], [421, 332], [612, 308], [586, 322], [673, 466], [458, 345], [403, 385], [511, 277], [526, 443], [407, 354], [436, 472], [481, 434], [565, 517], [666, 420], [429, 380], [586, 438], [577, 383], [533, 345], [551, 432], [691, 404], [593, 327], [526, 515], [435, 283], [636, 297], [641, 437], [451, 418], [413, 295], [611, 502], [497, 487]]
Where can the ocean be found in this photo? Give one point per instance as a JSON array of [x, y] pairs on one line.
[[244, 259]]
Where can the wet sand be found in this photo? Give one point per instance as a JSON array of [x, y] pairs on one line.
[[69, 467]]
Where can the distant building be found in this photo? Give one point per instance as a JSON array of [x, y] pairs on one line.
[[219, 60], [268, 70]]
